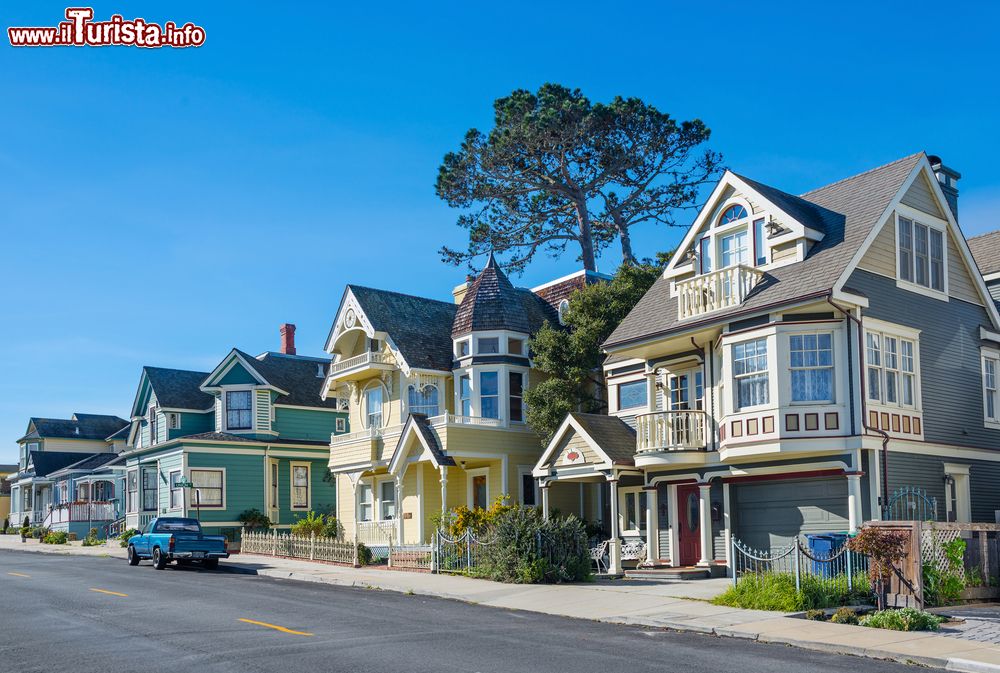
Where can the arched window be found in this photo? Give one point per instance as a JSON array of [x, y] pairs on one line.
[[423, 400], [563, 310], [373, 407], [733, 213]]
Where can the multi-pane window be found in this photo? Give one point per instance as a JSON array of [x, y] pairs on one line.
[[705, 255], [365, 502], [515, 384], [635, 511], [632, 394], [489, 394], [891, 369], [373, 407], [759, 250], [750, 373], [300, 486], [734, 249], [687, 391], [239, 410], [149, 502], [990, 399], [423, 400], [465, 394], [176, 492], [811, 365], [387, 500], [174, 421], [153, 425], [132, 492], [921, 254], [733, 213], [208, 487]]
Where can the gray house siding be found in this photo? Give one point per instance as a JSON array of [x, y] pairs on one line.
[[927, 473], [950, 365]]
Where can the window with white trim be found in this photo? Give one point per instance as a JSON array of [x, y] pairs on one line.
[[633, 394], [176, 492], [173, 421], [921, 254], [487, 345], [515, 392], [373, 407], [132, 491], [341, 425], [891, 363], [633, 510], [811, 367], [489, 394], [365, 502], [465, 394], [300, 485], [239, 410], [750, 374], [529, 487], [149, 497], [387, 500], [209, 485], [991, 398], [153, 426], [423, 400]]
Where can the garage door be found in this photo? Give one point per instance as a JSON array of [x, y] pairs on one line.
[[769, 514]]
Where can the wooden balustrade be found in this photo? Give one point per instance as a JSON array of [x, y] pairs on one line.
[[716, 290], [676, 430]]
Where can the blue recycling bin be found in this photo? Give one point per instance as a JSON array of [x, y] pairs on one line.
[[823, 546]]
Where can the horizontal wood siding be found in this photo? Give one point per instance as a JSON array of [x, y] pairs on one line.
[[263, 421], [305, 424], [244, 482], [165, 467], [237, 376], [960, 282], [919, 196], [72, 445], [927, 473], [881, 255], [193, 424], [951, 374]]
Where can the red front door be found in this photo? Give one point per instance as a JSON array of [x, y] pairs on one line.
[[688, 525]]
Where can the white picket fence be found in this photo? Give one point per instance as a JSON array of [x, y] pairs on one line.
[[312, 547]]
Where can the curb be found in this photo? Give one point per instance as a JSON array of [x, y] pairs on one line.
[[967, 666]]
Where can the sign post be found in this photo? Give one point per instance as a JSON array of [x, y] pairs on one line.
[[187, 483]]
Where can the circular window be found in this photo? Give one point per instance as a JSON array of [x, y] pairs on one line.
[[692, 512]]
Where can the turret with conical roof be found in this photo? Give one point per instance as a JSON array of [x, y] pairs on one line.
[[492, 303]]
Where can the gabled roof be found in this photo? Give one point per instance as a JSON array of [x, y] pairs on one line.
[[845, 212], [46, 462], [986, 251], [611, 438], [89, 462], [420, 328], [493, 303], [418, 425], [121, 434], [80, 426], [297, 375], [179, 388]]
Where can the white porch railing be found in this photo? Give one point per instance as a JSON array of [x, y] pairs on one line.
[[670, 430], [138, 520], [370, 433], [715, 290], [34, 518], [363, 360], [454, 419], [377, 533]]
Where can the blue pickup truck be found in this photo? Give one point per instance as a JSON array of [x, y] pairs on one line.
[[167, 539]]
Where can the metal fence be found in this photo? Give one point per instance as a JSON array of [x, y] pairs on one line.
[[840, 570], [458, 554], [411, 556], [909, 503], [312, 547]]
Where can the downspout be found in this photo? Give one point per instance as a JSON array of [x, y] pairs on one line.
[[864, 404]]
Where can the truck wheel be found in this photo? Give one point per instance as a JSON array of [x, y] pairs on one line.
[[159, 561], [211, 563], [133, 558]]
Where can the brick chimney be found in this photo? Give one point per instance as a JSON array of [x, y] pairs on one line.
[[288, 339]]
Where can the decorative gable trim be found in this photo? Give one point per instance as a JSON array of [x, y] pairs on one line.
[[211, 383], [351, 316], [543, 467]]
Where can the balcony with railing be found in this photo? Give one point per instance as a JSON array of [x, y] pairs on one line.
[[716, 290], [360, 366], [96, 511], [678, 430]]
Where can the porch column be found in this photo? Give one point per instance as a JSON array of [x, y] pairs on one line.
[[399, 511], [544, 488], [614, 544], [444, 489], [854, 515], [652, 526], [728, 521], [705, 516]]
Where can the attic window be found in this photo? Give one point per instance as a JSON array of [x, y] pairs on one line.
[[732, 214], [563, 310], [320, 371]]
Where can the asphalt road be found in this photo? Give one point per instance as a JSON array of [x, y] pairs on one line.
[[94, 614]]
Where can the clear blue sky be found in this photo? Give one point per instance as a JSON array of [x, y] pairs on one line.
[[160, 206]]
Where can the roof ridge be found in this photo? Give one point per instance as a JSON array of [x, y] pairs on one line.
[[983, 235], [401, 294], [858, 175], [175, 369]]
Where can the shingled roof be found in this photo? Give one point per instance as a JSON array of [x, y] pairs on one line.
[[179, 388], [986, 251], [297, 375], [47, 462], [419, 327], [845, 212], [79, 426], [615, 437], [493, 303]]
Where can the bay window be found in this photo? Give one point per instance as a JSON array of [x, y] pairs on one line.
[[489, 395], [750, 373], [465, 394], [515, 391], [423, 400], [891, 363], [921, 254], [811, 367]]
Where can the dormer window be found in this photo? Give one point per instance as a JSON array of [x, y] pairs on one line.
[[239, 407], [734, 249], [733, 213]]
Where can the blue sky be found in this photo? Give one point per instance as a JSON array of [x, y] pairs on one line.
[[160, 206]]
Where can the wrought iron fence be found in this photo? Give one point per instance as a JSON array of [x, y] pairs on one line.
[[840, 570], [458, 554], [909, 503], [312, 547], [412, 556]]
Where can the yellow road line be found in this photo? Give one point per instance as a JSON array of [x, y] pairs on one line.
[[19, 575], [276, 627], [110, 593]]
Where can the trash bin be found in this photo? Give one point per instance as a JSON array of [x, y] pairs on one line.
[[822, 546]]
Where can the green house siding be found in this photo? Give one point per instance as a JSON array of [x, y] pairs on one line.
[[193, 424], [244, 482], [166, 466], [237, 376], [292, 423], [322, 494]]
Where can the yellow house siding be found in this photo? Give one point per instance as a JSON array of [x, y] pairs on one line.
[[74, 445], [920, 196], [881, 255], [574, 442], [783, 251], [345, 504], [564, 496], [960, 283]]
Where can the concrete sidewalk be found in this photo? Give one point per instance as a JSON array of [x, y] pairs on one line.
[[678, 605]]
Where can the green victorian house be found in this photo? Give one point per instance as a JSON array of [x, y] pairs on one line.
[[254, 433]]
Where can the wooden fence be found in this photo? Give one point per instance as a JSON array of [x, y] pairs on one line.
[[312, 547]]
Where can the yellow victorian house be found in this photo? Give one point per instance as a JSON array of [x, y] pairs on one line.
[[435, 392]]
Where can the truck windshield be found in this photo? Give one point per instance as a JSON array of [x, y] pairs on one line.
[[177, 526]]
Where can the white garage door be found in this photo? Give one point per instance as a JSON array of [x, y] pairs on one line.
[[769, 514]]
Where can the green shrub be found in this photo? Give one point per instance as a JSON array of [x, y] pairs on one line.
[[845, 616], [776, 591], [816, 615], [254, 519], [525, 548], [39, 532], [126, 534], [6, 525], [55, 537], [364, 554], [906, 619], [316, 524], [944, 582], [93, 538]]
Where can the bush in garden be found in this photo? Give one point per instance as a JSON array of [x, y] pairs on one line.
[[365, 556], [55, 537], [884, 549], [316, 524], [845, 616], [126, 534], [93, 538], [944, 582], [906, 619], [478, 520], [39, 532], [254, 519]]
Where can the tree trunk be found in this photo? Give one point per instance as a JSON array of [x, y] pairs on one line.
[[628, 257], [586, 235]]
